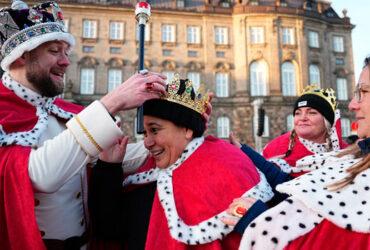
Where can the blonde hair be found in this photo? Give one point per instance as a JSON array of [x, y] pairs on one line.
[[354, 170], [293, 133]]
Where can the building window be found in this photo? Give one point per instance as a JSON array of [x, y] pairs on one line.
[[87, 81], [114, 79], [313, 39], [288, 79], [147, 32], [342, 89], [192, 54], [338, 44], [115, 50], [220, 54], [266, 132], [257, 35], [89, 29], [168, 33], [88, 49], [221, 35], [180, 3], [195, 79], [223, 127], [167, 52], [169, 74], [258, 76], [287, 35], [116, 31], [66, 24], [289, 122], [193, 35], [222, 85], [345, 127], [253, 2], [339, 61], [138, 49], [314, 73]]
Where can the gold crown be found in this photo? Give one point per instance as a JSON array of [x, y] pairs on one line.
[[197, 104], [327, 94]]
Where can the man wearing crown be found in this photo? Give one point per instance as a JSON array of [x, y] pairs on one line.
[[176, 199], [42, 163]]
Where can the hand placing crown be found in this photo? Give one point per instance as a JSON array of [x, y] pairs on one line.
[[23, 29], [327, 94], [182, 92]]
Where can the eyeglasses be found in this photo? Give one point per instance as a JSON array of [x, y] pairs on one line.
[[361, 90]]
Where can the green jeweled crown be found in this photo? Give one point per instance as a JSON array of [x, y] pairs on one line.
[[187, 97]]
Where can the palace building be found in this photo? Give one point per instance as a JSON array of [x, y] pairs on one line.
[[242, 51]]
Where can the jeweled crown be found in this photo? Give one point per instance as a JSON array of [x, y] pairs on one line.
[[19, 24], [327, 94], [184, 94]]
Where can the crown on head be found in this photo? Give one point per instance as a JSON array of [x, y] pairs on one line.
[[327, 94], [23, 29], [183, 93]]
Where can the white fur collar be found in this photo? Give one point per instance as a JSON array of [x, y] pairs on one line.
[[44, 107], [347, 208], [206, 231]]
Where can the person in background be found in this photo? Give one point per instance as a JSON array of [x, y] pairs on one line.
[[315, 131], [176, 199], [328, 207], [45, 142]]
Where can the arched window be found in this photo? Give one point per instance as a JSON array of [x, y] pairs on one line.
[[222, 85], [114, 79], [289, 122], [288, 79], [342, 89], [169, 74], [195, 79], [258, 76], [345, 126], [87, 81], [314, 72], [223, 127]]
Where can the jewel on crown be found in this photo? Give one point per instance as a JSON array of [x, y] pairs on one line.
[[174, 94], [326, 94]]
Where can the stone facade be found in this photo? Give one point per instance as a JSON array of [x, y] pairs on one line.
[[276, 20]]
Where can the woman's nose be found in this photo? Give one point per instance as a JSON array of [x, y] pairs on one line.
[[353, 105]]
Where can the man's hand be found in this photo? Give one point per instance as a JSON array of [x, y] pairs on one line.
[[134, 92]]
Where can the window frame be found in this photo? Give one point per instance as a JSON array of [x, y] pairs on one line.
[[88, 86]]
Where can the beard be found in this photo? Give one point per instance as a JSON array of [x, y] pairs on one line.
[[41, 80]]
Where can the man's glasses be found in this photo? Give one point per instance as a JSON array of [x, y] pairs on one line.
[[361, 90]]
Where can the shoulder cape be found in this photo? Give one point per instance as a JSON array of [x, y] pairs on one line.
[[20, 128]]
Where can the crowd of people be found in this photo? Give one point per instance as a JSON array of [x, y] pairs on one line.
[[68, 180]]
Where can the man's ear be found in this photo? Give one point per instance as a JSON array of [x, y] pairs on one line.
[[21, 61]]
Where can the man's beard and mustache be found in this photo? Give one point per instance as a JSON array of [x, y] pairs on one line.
[[42, 81]]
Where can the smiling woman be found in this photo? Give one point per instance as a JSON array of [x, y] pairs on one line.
[[176, 200], [316, 130]]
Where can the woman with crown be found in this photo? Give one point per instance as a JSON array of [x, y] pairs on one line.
[[316, 130], [175, 200], [327, 208]]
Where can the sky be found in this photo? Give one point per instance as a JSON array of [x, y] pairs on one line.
[[359, 12]]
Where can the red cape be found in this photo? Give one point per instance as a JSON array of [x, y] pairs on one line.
[[279, 146], [329, 236], [203, 186], [18, 227]]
